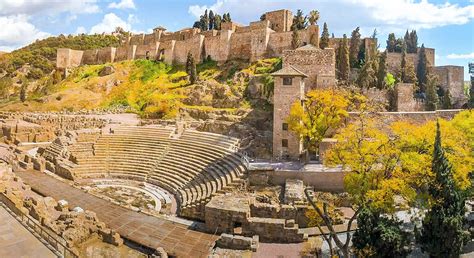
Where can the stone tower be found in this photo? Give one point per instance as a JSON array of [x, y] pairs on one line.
[[289, 88]]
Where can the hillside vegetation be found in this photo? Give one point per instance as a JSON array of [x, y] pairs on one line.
[[41, 55], [148, 88]]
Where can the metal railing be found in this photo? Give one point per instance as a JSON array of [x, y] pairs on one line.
[[53, 242]]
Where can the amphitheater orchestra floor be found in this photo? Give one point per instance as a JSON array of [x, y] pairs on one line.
[[17, 241], [146, 230]]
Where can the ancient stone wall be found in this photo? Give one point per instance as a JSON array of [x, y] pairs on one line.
[[217, 47], [89, 57], [68, 58], [318, 64], [149, 51], [405, 98], [394, 60], [259, 43], [106, 55], [280, 20], [451, 78], [193, 45], [241, 45]]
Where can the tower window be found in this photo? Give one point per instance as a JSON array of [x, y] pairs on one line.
[[287, 81], [284, 127], [284, 143]]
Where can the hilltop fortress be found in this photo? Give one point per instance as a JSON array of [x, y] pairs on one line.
[[271, 37]]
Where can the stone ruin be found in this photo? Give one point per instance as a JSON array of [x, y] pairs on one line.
[[71, 227]]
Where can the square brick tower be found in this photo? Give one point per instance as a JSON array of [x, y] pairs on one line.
[[289, 88]]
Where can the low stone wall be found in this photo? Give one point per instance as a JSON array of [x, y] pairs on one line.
[[234, 242], [321, 181]]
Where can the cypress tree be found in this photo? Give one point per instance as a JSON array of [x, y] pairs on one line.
[[407, 41], [188, 63], [422, 68], [192, 70], [447, 103], [295, 39], [391, 42], [442, 233], [382, 71], [24, 87], [431, 93], [354, 47], [212, 20], [366, 77], [217, 22], [344, 66], [324, 42], [299, 21], [413, 41]]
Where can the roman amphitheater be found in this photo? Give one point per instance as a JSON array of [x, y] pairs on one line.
[[166, 189]]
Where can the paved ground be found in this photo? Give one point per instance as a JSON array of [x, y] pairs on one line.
[[147, 230], [17, 241]]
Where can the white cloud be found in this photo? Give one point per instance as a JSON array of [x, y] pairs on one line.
[[18, 31], [109, 23], [386, 16], [123, 4], [80, 30], [461, 56], [13, 7]]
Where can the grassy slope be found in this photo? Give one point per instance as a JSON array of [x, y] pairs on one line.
[[151, 89]]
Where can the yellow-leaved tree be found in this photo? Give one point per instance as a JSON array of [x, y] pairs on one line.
[[323, 110]]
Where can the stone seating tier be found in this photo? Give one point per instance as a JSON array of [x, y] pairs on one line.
[[193, 167]]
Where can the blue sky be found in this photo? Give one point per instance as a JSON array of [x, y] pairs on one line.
[[447, 26]]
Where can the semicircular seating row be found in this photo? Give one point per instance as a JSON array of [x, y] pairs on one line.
[[194, 167]]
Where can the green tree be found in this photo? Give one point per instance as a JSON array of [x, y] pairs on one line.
[[379, 236], [324, 42], [343, 67], [391, 42], [422, 68], [382, 71], [5, 86], [295, 39], [212, 20], [226, 17], [442, 233], [432, 99], [400, 45], [447, 103], [367, 76], [299, 21], [217, 22], [354, 47], [413, 42], [191, 68], [204, 21], [23, 89], [313, 17]]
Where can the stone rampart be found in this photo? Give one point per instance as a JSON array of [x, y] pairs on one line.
[[451, 78]]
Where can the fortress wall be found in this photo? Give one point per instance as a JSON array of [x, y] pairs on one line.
[[150, 39], [166, 51], [218, 47], [280, 20], [68, 58], [259, 25], [243, 29], [240, 45], [193, 46], [106, 55], [394, 61], [137, 39], [210, 33], [121, 54], [278, 42], [452, 78], [405, 98], [90, 57], [259, 43], [149, 51], [317, 63], [230, 26]]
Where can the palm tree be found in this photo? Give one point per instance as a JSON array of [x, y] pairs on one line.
[[313, 17]]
